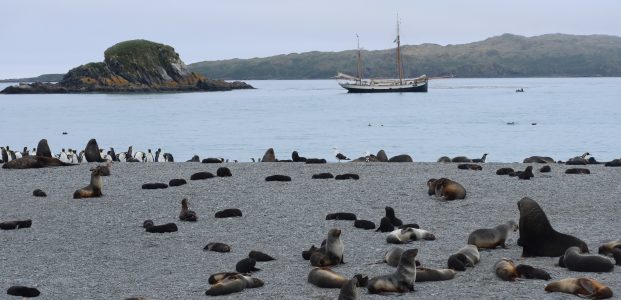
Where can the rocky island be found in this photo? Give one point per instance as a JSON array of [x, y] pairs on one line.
[[131, 66]]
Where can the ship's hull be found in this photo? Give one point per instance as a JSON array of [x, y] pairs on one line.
[[406, 88]]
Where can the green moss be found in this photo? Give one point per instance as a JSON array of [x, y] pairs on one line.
[[140, 53]]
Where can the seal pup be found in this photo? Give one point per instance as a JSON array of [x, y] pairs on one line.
[[307, 253], [390, 214], [446, 188], [582, 287], [401, 281], [39, 193], [229, 213], [23, 291], [91, 152], [578, 171], [217, 247], [505, 171], [278, 178], [490, 238], [164, 228], [104, 169], [527, 174], [324, 277], [574, 260], [231, 284], [332, 254], [530, 272], [364, 224], [578, 160], [10, 225], [295, 157], [224, 172], [402, 158], [545, 169], [480, 160], [427, 274], [610, 247], [212, 160], [401, 236], [201, 176], [473, 167], [339, 156], [154, 186], [323, 176], [347, 176], [444, 159], [393, 256], [260, 256], [43, 149], [613, 163], [177, 182], [537, 237], [505, 270], [195, 158], [385, 225], [316, 161], [349, 291], [467, 256], [186, 214], [218, 277], [94, 189], [539, 159], [341, 216], [461, 159], [246, 265]]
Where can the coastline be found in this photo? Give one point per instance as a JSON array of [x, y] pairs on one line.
[[97, 249]]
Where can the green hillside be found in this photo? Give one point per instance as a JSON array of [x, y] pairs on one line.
[[550, 55]]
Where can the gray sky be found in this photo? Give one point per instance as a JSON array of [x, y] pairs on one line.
[[45, 36]]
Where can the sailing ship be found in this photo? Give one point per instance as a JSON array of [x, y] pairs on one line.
[[357, 84]]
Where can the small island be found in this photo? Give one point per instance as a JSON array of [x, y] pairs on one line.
[[136, 66]]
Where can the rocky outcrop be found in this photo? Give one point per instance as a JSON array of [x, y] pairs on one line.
[[131, 66]]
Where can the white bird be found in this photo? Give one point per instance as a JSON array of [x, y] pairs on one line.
[[149, 157], [63, 156]]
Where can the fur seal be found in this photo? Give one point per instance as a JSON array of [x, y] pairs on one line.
[[473, 167], [490, 238], [461, 159], [467, 256], [545, 169], [390, 214], [212, 160], [539, 159], [332, 254], [217, 247], [349, 291], [104, 170], [577, 171], [385, 225], [364, 224], [530, 272], [269, 156], [297, 158], [186, 214], [505, 270], [574, 260], [613, 163], [480, 160], [164, 228], [427, 274], [224, 172], [39, 193], [401, 236], [381, 156], [401, 281], [218, 277], [91, 152], [231, 284], [316, 161], [278, 178], [195, 158], [446, 188], [401, 158], [201, 175], [229, 213], [10, 225], [444, 159], [246, 265], [23, 291], [347, 176], [505, 171], [341, 216], [582, 287], [94, 189], [177, 182], [307, 253], [154, 186], [323, 176], [610, 247], [324, 277], [527, 174], [34, 162], [260, 256], [537, 237], [393, 256], [578, 160], [43, 149]]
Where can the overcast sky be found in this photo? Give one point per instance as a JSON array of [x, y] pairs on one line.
[[45, 36]]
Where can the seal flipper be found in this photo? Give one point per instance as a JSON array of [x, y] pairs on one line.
[[586, 285]]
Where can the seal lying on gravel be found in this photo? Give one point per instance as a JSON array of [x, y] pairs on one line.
[[229, 213], [574, 260], [94, 189], [537, 237], [582, 287], [233, 284], [23, 291], [246, 265], [505, 269], [349, 291], [217, 247], [530, 272], [324, 277], [364, 224], [426, 274], [260, 256], [467, 256], [34, 162], [612, 249], [341, 216], [492, 237], [39, 193], [278, 178], [401, 281], [9, 225], [168, 227], [154, 186], [446, 188], [201, 175]]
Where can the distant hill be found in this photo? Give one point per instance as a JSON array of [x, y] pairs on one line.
[[41, 78], [550, 55]]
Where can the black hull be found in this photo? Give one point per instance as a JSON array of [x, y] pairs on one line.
[[413, 89]]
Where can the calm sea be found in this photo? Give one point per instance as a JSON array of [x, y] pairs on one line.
[[456, 117]]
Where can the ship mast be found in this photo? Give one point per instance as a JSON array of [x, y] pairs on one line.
[[399, 62], [359, 59]]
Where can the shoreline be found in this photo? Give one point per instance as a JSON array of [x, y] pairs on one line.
[[97, 248]]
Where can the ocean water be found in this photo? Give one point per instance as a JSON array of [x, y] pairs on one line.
[[456, 117]]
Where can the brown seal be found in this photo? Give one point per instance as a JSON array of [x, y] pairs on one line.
[[582, 287], [94, 189], [491, 238], [34, 162], [537, 237], [233, 284], [427, 274], [401, 281], [186, 214], [349, 291], [332, 254], [446, 188], [505, 269], [539, 159]]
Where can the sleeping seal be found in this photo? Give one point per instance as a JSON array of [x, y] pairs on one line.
[[324, 277], [34, 162], [505, 269], [446, 188], [574, 260], [401, 281], [426, 274], [492, 237], [582, 287], [530, 272], [467, 256], [537, 237]]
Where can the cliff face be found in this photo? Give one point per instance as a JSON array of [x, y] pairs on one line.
[[132, 66]]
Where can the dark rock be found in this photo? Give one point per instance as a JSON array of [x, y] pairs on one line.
[[177, 182], [278, 178], [401, 158], [39, 193], [154, 186], [224, 172], [323, 176], [444, 159], [229, 213], [201, 175]]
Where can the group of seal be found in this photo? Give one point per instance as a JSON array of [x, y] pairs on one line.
[[446, 189]]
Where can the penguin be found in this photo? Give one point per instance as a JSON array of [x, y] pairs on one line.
[[122, 157], [25, 152], [168, 157], [63, 156], [158, 157], [33, 152], [102, 153], [17, 154], [74, 157], [5, 155], [139, 156], [82, 157], [149, 157]]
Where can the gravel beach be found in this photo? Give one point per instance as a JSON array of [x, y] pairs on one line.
[[97, 248]]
